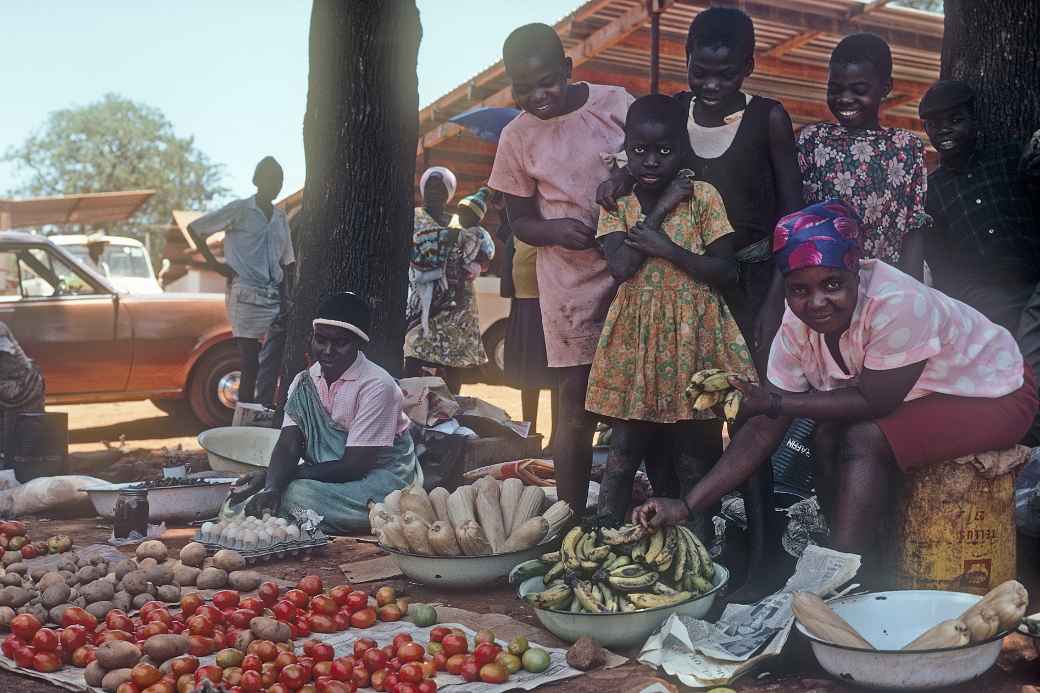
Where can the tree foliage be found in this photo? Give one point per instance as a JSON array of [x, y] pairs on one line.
[[117, 144]]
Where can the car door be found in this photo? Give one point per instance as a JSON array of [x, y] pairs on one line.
[[70, 325]]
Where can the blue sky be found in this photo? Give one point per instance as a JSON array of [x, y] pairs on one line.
[[232, 73]]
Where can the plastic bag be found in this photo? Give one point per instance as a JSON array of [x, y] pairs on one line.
[[48, 492]]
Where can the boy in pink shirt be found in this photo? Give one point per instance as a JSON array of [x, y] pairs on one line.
[[549, 163]]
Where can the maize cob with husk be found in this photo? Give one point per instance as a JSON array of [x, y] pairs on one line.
[[439, 498], [950, 633], [821, 622], [529, 505], [558, 515], [1008, 600], [526, 535], [392, 535], [392, 502], [982, 624], [416, 532], [472, 539], [415, 499], [509, 499], [442, 539], [489, 512]]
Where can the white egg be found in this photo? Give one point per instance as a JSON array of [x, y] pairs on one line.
[[282, 522], [293, 532], [263, 539], [204, 532], [249, 540], [278, 535]]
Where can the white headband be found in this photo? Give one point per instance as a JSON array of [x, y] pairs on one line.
[[339, 323]]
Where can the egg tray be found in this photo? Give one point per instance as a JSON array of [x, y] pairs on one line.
[[285, 549]]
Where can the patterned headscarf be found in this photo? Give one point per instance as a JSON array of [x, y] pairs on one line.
[[825, 234]]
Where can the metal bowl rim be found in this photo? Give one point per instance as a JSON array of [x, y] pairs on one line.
[[96, 489], [399, 552], [801, 629], [713, 590]]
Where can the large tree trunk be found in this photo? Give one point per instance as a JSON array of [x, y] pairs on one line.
[[993, 45], [359, 136]]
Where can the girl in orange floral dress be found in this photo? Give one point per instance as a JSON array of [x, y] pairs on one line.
[[670, 246]]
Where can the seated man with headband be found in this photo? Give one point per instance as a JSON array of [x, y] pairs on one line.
[[344, 438]]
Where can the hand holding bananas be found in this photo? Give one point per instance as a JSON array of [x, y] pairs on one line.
[[660, 512], [624, 569], [716, 388]]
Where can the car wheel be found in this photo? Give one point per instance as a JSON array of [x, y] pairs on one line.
[[213, 390], [494, 339], [173, 407]]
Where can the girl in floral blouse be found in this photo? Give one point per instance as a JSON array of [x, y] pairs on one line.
[[670, 246], [878, 172]]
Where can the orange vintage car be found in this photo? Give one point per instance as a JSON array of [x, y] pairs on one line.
[[94, 344]]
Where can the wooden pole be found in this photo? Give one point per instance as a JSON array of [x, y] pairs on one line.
[[655, 44]]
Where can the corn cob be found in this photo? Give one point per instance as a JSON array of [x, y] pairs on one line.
[[950, 633], [509, 499], [821, 621], [439, 499]]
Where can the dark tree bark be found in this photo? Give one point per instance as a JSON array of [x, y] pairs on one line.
[[359, 134], [994, 46]]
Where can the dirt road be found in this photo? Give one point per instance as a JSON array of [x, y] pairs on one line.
[[142, 425]]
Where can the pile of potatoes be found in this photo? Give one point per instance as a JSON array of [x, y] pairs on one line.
[[100, 586]]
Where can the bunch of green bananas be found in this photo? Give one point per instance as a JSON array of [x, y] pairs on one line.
[[624, 569], [710, 387]]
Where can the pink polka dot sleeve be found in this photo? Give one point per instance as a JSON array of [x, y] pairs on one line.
[[786, 370], [901, 329]]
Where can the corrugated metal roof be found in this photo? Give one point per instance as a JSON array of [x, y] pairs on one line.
[[85, 208], [609, 41]]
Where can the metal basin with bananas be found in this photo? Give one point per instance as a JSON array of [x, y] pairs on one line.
[[620, 584]]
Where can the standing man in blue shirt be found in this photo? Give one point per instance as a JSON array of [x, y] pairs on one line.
[[259, 263]]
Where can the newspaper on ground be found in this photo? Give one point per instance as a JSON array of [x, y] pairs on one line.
[[71, 678], [702, 654]]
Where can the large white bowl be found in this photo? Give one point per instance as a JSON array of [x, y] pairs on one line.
[[891, 620], [459, 572], [168, 503], [620, 630], [239, 449]]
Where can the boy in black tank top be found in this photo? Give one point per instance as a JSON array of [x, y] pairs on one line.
[[744, 147]]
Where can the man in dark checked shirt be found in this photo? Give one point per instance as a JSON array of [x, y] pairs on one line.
[[984, 248]]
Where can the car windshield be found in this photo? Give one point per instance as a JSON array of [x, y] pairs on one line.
[[122, 260]]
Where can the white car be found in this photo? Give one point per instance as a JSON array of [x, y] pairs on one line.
[[125, 262], [493, 311]]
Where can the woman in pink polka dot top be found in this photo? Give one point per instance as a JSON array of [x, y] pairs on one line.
[[897, 375]]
